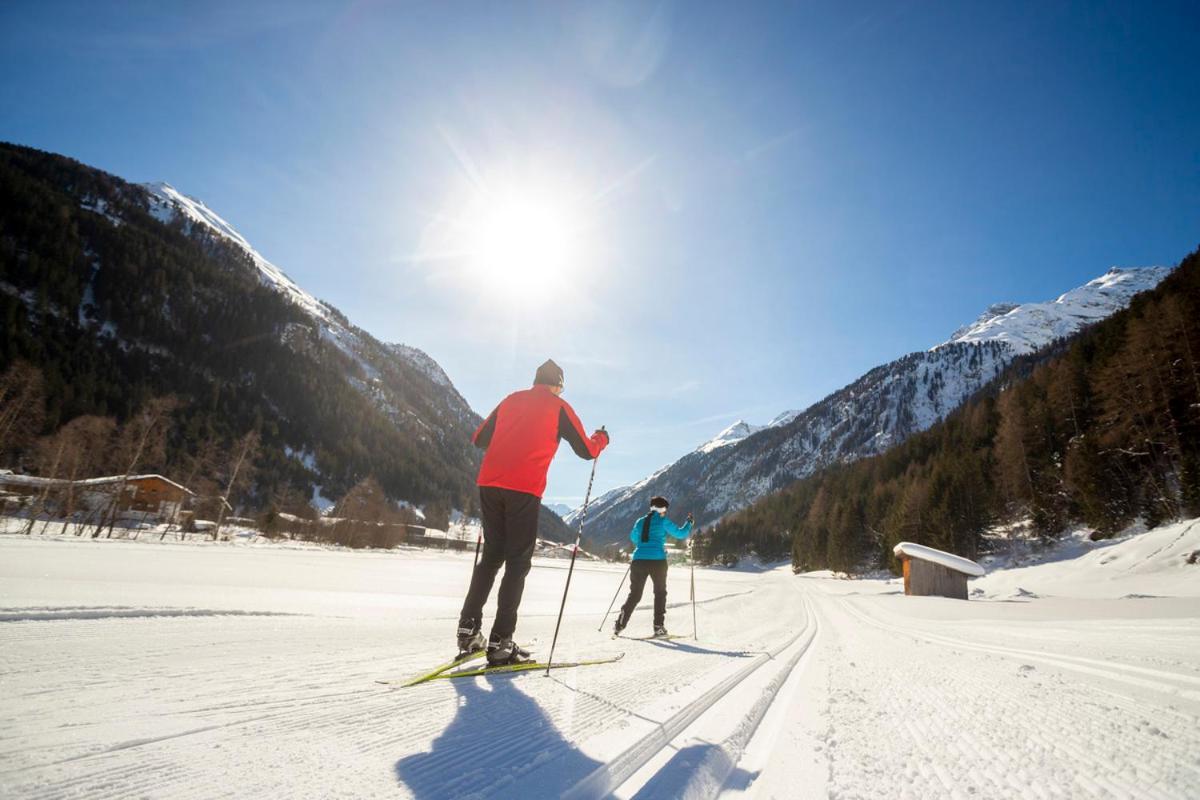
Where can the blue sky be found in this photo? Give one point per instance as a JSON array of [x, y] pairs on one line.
[[761, 201]]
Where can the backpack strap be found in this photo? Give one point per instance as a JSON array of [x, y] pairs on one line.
[[646, 527]]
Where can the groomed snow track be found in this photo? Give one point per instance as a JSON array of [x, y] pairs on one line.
[[131, 670], [721, 758]]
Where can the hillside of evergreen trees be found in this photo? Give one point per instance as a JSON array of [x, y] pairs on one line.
[[105, 310], [1104, 430]]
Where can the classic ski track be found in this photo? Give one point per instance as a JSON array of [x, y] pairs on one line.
[[1043, 726], [78, 613], [608, 777], [589, 711], [709, 778], [1187, 686], [271, 703]]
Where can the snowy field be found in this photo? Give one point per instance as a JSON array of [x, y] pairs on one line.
[[140, 669]]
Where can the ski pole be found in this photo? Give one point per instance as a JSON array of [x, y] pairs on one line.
[[570, 569], [615, 596], [692, 558]]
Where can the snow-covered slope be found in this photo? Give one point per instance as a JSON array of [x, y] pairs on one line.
[[404, 383], [734, 433], [1029, 327], [562, 509], [880, 409], [168, 204], [202, 669], [1163, 562]]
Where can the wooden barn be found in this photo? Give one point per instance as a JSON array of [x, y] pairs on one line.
[[153, 496], [935, 572]]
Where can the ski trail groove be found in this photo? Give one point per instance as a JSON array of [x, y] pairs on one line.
[[975, 733], [74, 613], [708, 779], [607, 777], [1112, 671]]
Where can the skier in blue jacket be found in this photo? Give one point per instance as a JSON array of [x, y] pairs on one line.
[[649, 536]]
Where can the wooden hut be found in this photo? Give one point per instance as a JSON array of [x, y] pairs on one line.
[[153, 496], [935, 572]]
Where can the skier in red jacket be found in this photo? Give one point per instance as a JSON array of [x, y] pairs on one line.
[[520, 439]]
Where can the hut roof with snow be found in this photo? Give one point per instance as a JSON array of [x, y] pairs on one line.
[[935, 572]]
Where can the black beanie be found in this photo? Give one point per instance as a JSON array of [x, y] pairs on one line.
[[549, 373], [659, 501]]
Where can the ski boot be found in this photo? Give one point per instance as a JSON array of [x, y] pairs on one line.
[[620, 624], [470, 639], [503, 651], [660, 632]]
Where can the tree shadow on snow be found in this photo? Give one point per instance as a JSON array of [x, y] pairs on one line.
[[698, 763], [499, 744]]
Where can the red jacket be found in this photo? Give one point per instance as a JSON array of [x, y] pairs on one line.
[[521, 437]]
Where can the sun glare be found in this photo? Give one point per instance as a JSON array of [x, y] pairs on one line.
[[521, 243]]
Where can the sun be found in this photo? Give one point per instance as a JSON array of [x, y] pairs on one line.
[[521, 242], [518, 240]]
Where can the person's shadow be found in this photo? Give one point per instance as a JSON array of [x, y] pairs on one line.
[[500, 744], [683, 647]]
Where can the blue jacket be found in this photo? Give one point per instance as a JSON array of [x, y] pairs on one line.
[[660, 529]]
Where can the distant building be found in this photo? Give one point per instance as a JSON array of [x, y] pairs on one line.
[[154, 496], [935, 572]]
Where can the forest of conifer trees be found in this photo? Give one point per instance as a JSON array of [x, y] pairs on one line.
[[104, 308], [1103, 430]]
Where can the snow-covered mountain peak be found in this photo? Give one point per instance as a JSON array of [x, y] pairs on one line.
[[422, 361], [168, 203], [994, 311], [1028, 327], [883, 407], [783, 419], [734, 433]]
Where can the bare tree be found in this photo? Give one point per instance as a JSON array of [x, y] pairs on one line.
[[142, 438], [50, 457], [246, 450], [22, 406], [365, 509], [73, 451]]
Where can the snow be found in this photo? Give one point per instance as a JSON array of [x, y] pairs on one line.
[[422, 361], [98, 205], [1030, 326], [948, 560], [246, 669], [734, 433], [320, 502], [167, 202], [304, 456], [1135, 565], [908, 395]]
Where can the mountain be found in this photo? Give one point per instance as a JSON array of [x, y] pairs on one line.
[[1029, 327], [1100, 432], [880, 409], [561, 509], [119, 292]]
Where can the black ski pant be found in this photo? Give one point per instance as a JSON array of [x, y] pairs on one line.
[[656, 571], [510, 525]]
